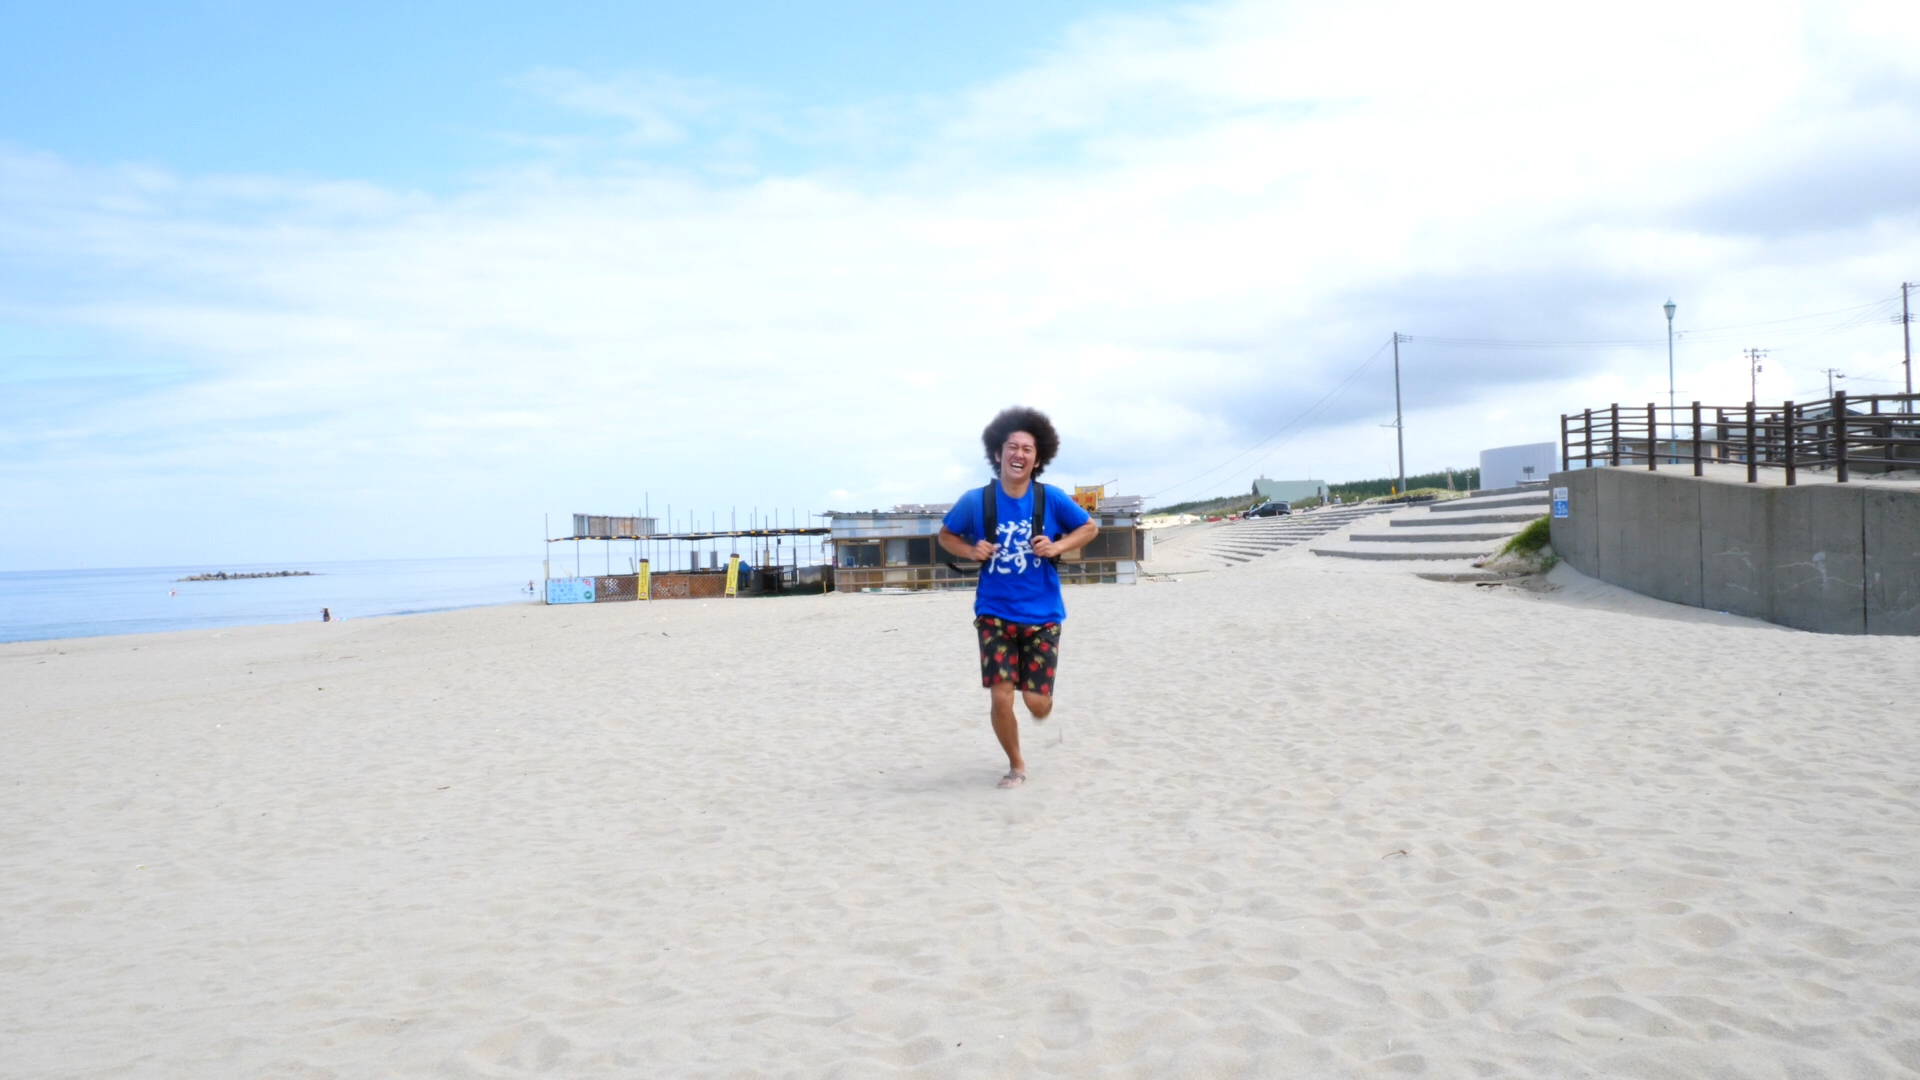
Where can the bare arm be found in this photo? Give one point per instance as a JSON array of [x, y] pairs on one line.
[[954, 545], [1073, 541]]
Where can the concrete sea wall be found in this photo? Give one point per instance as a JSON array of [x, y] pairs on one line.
[[1837, 558]]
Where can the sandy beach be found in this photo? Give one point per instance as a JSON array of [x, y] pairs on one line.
[[1306, 817]]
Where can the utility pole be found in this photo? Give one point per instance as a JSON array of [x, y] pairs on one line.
[[1906, 336], [1832, 374], [1399, 427], [1753, 360], [1668, 307]]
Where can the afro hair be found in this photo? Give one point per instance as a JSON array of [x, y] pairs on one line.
[[1021, 418]]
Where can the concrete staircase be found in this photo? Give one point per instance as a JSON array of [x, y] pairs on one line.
[[1230, 543], [1457, 530]]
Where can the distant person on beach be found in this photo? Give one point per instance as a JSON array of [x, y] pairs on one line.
[[325, 615], [1017, 608]]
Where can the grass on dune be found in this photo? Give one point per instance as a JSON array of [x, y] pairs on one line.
[[1530, 540]]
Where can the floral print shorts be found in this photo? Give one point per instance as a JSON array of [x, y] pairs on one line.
[[1017, 653]]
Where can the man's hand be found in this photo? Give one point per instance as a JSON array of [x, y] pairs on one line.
[[979, 551], [1047, 547]]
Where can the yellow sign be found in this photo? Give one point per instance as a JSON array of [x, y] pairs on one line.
[[645, 588], [733, 575], [1089, 497]]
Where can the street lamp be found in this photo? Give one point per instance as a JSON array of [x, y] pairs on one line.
[[1670, 400]]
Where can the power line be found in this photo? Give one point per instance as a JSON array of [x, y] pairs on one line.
[[1859, 315], [1509, 343], [1310, 410], [1807, 335], [1794, 318]]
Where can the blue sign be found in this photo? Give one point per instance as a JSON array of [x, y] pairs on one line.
[[1560, 502], [570, 590]]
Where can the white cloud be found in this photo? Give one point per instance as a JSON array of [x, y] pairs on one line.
[[657, 108], [1174, 232]]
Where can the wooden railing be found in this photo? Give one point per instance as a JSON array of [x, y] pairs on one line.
[[1873, 434]]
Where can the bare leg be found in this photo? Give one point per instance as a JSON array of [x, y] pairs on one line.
[[1040, 705], [1007, 729]]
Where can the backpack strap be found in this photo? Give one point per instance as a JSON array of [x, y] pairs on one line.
[[990, 517], [1040, 516], [989, 521]]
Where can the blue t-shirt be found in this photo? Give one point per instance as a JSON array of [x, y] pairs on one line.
[[1016, 585]]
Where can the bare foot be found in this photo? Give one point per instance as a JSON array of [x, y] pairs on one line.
[[1013, 779]]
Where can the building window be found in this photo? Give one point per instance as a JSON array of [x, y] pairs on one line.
[[1110, 544], [859, 556], [910, 552]]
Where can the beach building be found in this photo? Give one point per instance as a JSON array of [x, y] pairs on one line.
[[1511, 466], [897, 549], [1290, 491], [683, 565]]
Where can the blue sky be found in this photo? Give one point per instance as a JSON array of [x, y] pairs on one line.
[[426, 95], [336, 282]]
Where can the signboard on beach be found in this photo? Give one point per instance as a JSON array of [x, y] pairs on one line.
[[733, 575], [570, 590], [1559, 502]]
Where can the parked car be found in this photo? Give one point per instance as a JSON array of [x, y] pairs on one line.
[[1270, 509]]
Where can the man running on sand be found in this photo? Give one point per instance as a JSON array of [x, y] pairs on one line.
[[1017, 609]]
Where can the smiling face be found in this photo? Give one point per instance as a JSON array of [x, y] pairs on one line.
[[1017, 457]]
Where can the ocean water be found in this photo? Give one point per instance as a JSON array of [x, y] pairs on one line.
[[40, 604]]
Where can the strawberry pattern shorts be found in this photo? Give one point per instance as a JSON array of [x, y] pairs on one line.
[[1018, 653]]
